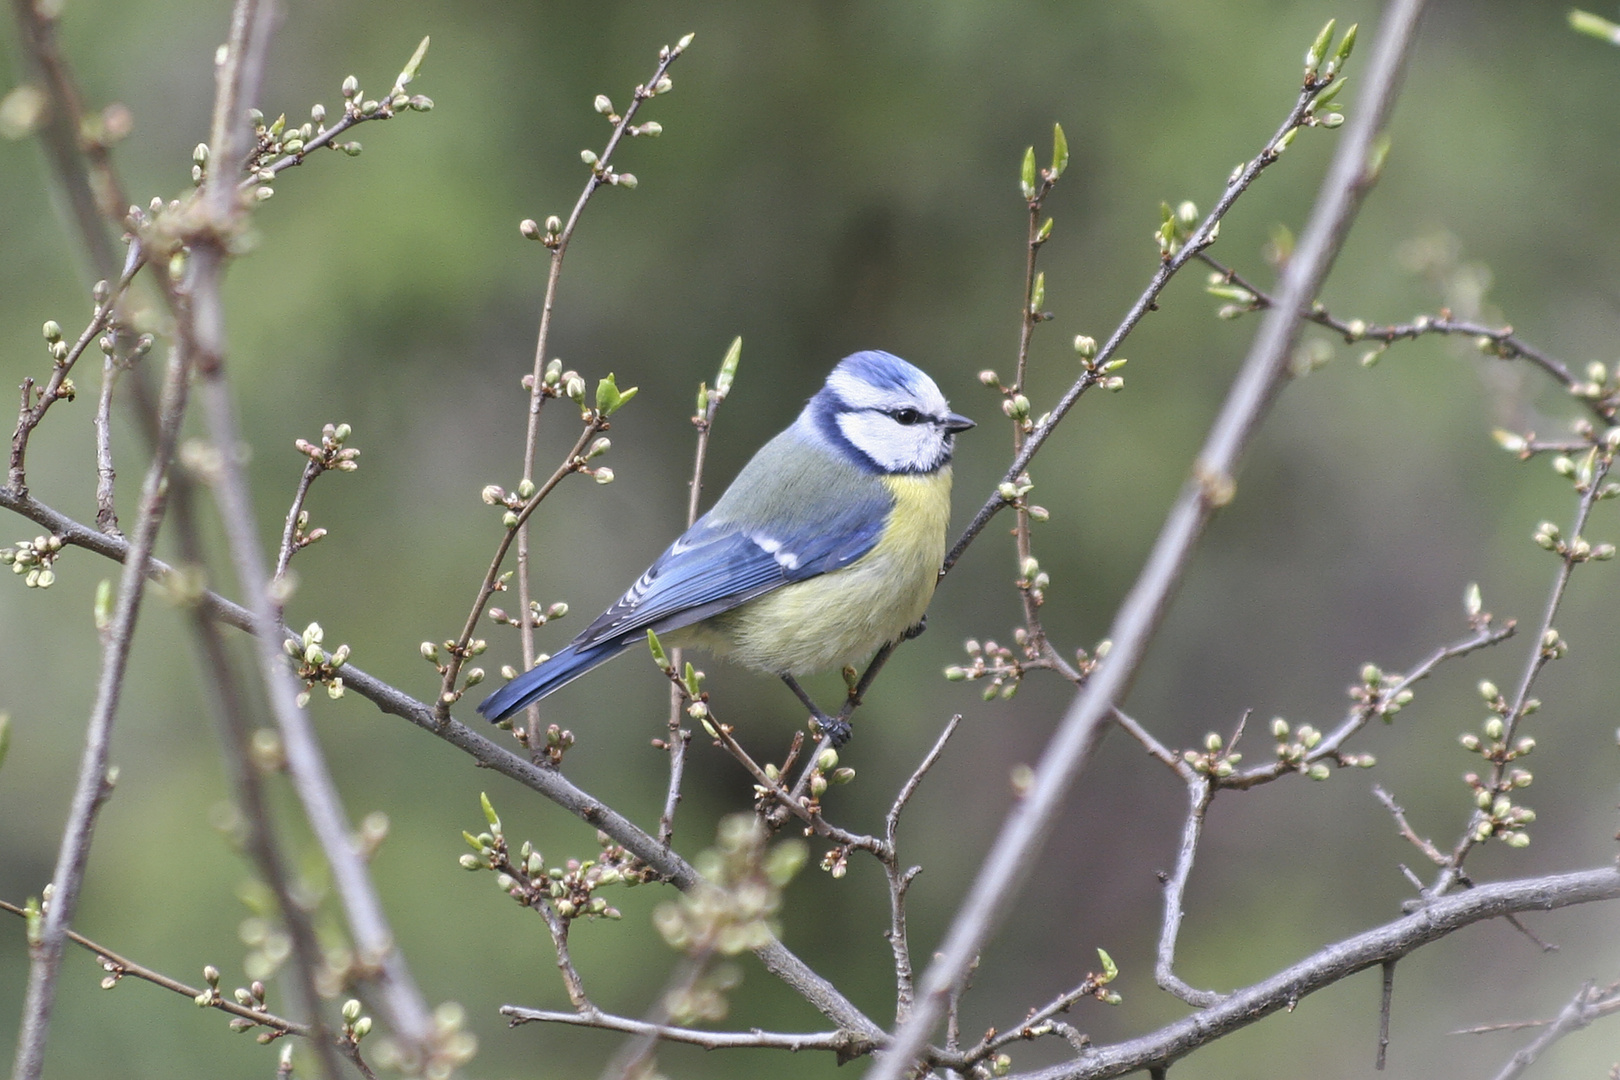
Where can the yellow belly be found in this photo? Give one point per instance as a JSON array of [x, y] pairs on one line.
[[843, 616]]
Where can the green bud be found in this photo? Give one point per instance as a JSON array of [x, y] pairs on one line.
[[1488, 690], [53, 331], [1026, 175], [1319, 47], [1493, 728], [1085, 346], [603, 105], [489, 813], [1060, 153], [728, 369], [828, 760], [351, 1010], [1319, 771]]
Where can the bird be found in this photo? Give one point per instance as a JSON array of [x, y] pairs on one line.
[[826, 547]]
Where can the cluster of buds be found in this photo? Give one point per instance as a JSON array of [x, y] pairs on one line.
[[551, 236], [355, 1025], [1032, 580], [733, 909], [1176, 227], [1601, 385], [539, 613], [470, 677], [1381, 693], [1576, 549], [1296, 749], [1498, 816], [604, 105], [314, 665], [1085, 347], [511, 504], [996, 663], [554, 742], [823, 774], [56, 344], [251, 996], [34, 559], [331, 453], [1216, 760], [1238, 300], [569, 889]]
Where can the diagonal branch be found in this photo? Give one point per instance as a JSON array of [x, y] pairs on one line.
[[1212, 485]]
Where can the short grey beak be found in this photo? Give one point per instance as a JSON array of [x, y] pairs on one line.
[[955, 422]]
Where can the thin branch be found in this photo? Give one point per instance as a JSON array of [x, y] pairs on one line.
[[1153, 746], [1434, 854], [601, 173], [1199, 795], [1383, 700], [93, 785], [1590, 1004], [900, 880], [1386, 998], [461, 648], [32, 413], [1331, 965], [1212, 485], [106, 475], [777, 958], [844, 1043], [1201, 238], [1504, 342], [1544, 647], [221, 213]]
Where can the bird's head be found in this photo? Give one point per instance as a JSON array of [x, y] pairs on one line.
[[885, 414]]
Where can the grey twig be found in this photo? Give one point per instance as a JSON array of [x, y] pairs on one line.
[[1211, 486], [1386, 998], [1590, 1004], [1199, 795], [843, 1043], [900, 880], [1393, 940]]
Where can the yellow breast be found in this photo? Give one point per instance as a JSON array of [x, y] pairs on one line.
[[844, 616]]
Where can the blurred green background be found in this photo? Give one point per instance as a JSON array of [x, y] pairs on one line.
[[837, 176]]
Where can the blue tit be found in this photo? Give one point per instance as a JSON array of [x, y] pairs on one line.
[[826, 546]]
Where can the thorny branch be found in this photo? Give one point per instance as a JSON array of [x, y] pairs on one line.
[[1590, 1004], [843, 1043]]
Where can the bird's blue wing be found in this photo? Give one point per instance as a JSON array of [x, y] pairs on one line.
[[720, 564]]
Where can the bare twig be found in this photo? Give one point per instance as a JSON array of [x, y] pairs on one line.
[[1385, 999], [843, 1043], [1212, 485], [106, 475], [1590, 1004], [1332, 964], [1199, 794], [1434, 854], [900, 880]]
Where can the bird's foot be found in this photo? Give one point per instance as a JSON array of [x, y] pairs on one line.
[[834, 728], [915, 631]]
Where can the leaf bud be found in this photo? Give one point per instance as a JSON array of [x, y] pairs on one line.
[[828, 760], [1516, 839], [53, 331], [351, 87], [1279, 728], [1318, 771], [603, 105], [1085, 346], [1488, 690], [530, 228], [351, 1010], [1493, 728]]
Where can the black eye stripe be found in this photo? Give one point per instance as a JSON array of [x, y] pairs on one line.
[[906, 416]]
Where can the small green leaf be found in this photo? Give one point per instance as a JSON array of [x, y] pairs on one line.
[[1038, 294], [693, 680], [414, 65], [1346, 45], [1110, 969], [1026, 180], [660, 657], [728, 369], [490, 815], [5, 735], [1060, 151], [1319, 47], [1045, 232]]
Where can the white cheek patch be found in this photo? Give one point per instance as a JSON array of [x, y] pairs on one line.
[[893, 446]]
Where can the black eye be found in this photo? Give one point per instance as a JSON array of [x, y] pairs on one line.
[[906, 416]]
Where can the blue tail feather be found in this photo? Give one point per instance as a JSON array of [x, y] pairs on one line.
[[534, 684]]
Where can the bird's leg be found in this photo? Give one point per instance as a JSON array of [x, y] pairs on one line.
[[835, 728]]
